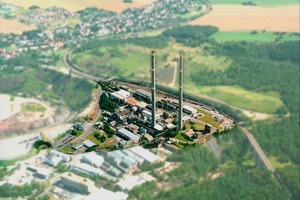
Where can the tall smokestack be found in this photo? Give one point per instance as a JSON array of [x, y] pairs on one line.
[[180, 91], [153, 90]]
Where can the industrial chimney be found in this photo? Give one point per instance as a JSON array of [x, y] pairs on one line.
[[153, 90], [180, 91]]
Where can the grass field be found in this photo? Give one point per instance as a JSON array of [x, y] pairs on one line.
[[258, 2], [13, 26], [241, 98], [247, 36], [249, 18], [133, 61], [33, 107], [74, 5]]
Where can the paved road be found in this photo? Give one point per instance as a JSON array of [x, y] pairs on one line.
[[89, 127], [259, 151], [76, 71]]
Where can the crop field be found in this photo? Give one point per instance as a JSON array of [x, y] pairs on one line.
[[267, 3], [249, 18], [13, 26], [241, 98], [248, 36], [75, 5]]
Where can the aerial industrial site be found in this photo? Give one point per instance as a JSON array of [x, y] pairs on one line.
[[124, 118]]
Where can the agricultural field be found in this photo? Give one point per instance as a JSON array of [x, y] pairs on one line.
[[250, 18], [13, 26], [267, 3], [75, 5], [225, 36]]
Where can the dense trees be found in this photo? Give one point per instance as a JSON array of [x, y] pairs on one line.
[[259, 67], [51, 85], [158, 42], [107, 104], [41, 144], [23, 191], [236, 183], [280, 138], [290, 176], [191, 35]]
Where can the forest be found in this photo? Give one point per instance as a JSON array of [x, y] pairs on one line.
[[260, 67], [53, 86], [191, 35], [236, 172]]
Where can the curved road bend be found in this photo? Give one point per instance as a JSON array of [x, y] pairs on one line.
[[76, 71]]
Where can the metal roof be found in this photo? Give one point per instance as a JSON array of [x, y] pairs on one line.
[[88, 143], [144, 153], [128, 134]]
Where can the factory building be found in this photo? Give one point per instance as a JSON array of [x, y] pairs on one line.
[[189, 110], [142, 94], [119, 96], [127, 135]]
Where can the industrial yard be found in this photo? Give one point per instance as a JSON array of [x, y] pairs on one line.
[[125, 119]]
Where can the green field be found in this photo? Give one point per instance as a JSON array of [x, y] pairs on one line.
[[132, 61], [257, 2], [33, 107], [248, 36], [241, 98]]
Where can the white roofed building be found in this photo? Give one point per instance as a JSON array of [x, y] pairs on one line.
[[93, 159], [120, 95], [87, 169], [55, 157], [128, 135], [106, 195], [77, 183], [145, 154], [189, 109], [88, 143], [129, 182]]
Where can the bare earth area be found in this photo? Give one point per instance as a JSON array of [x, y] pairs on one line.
[[20, 114], [74, 5], [248, 18], [13, 26]]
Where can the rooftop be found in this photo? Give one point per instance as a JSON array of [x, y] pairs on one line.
[[131, 101], [128, 134], [190, 108], [144, 153], [88, 143], [97, 194], [78, 179], [128, 183]]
